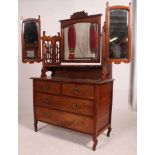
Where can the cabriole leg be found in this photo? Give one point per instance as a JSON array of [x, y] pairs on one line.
[[109, 131], [95, 143], [35, 126]]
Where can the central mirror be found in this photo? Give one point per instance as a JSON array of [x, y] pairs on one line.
[[81, 41]]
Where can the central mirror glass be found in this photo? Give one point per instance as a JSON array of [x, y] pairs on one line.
[[81, 41]]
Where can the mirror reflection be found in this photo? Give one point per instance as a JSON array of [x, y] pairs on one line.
[[30, 39], [81, 41], [118, 34]]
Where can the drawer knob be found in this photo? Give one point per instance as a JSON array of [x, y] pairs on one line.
[[76, 90], [76, 106], [45, 101], [46, 87]]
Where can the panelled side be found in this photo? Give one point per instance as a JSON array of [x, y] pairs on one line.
[[105, 105]]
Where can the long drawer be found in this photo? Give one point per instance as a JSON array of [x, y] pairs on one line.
[[47, 87], [69, 104], [64, 119], [78, 90]]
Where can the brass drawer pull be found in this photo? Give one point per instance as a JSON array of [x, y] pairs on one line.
[[45, 102], [46, 87], [76, 106], [76, 90]]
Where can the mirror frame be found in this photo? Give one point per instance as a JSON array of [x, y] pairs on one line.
[[128, 8], [25, 60], [81, 17]]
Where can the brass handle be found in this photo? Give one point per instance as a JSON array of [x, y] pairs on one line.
[[76, 106], [76, 90], [46, 87], [45, 101]]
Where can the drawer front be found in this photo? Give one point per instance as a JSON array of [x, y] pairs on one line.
[[64, 119], [69, 104], [47, 87], [78, 90]]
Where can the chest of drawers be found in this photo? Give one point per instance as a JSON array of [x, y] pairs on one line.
[[80, 105]]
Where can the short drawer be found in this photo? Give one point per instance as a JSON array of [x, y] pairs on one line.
[[64, 119], [47, 87], [69, 104], [78, 90]]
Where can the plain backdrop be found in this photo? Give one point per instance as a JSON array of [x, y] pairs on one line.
[[51, 11]]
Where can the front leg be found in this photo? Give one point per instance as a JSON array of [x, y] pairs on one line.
[[95, 142], [109, 131], [35, 125]]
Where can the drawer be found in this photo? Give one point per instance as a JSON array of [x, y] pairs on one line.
[[64, 119], [47, 87], [69, 104], [78, 90]]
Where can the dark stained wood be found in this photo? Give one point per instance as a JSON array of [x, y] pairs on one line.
[[51, 50], [87, 110], [36, 48], [34, 110], [64, 119], [78, 90], [79, 14], [79, 72], [79, 106], [107, 68], [87, 19], [75, 97], [47, 87], [109, 131], [70, 80]]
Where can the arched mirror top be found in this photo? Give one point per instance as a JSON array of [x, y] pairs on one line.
[[81, 38], [30, 37], [118, 34]]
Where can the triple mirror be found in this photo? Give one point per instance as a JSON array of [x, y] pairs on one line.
[[31, 40], [81, 38], [118, 34]]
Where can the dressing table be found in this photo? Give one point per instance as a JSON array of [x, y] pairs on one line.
[[78, 94], [77, 97]]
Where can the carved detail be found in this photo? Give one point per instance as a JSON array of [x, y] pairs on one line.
[[51, 49], [79, 14]]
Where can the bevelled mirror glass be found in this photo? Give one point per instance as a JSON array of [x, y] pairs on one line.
[[81, 38], [81, 41], [31, 40], [118, 36]]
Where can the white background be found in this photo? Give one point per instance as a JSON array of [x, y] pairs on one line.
[[9, 73]]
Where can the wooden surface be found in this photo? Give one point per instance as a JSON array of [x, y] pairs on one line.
[[70, 80], [64, 119], [38, 51], [85, 19], [108, 8], [47, 86], [78, 90], [77, 104], [68, 104]]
